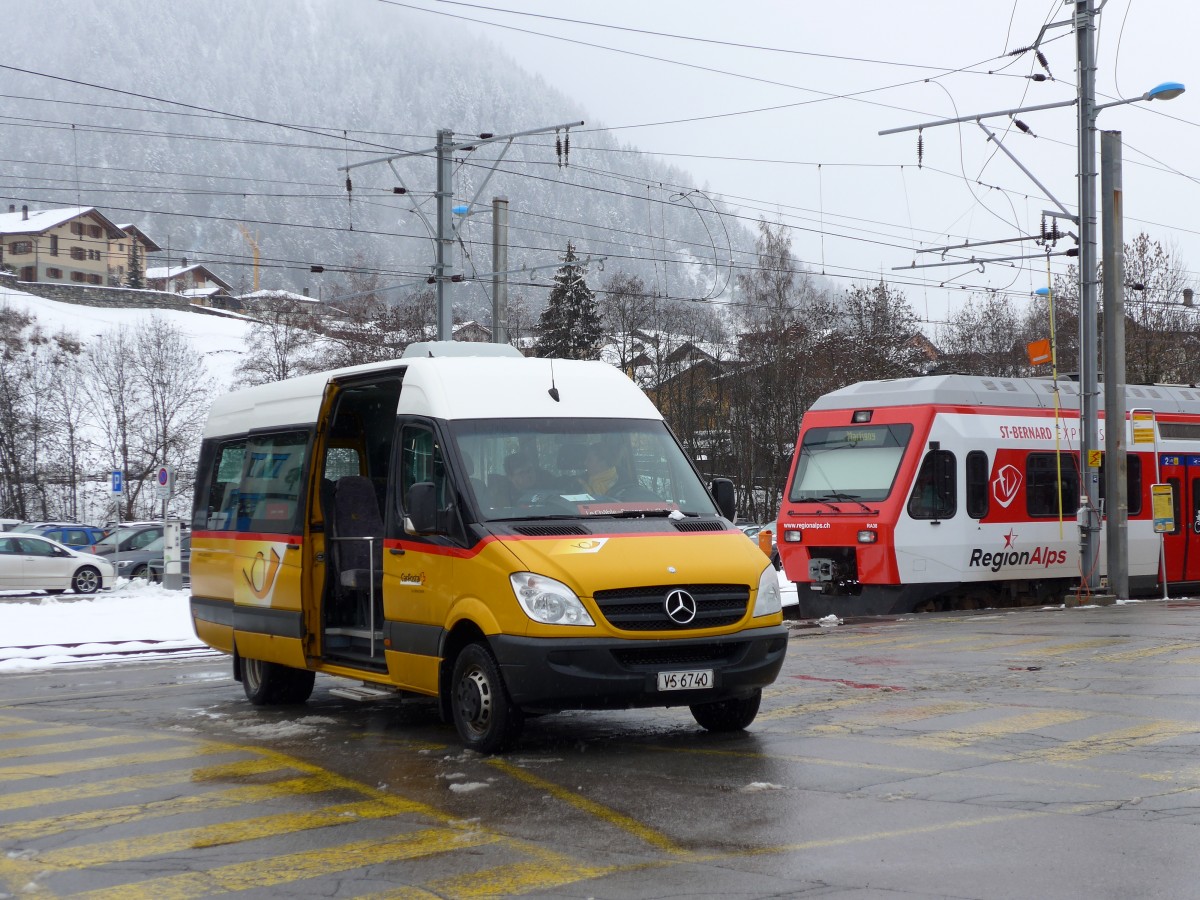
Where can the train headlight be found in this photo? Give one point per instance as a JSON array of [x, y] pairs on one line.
[[866, 536]]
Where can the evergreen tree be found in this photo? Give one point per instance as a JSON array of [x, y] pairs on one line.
[[135, 277], [570, 325]]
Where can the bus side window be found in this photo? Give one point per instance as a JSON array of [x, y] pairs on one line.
[[226, 476], [977, 484]]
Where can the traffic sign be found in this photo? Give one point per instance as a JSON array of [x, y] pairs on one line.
[[165, 482], [118, 483]]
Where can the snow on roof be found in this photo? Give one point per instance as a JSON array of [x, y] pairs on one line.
[[157, 273], [278, 295], [44, 219]]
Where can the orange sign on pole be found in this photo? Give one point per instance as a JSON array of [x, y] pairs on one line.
[[1039, 352]]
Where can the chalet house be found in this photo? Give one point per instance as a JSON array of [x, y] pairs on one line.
[[196, 282], [72, 245], [136, 243]]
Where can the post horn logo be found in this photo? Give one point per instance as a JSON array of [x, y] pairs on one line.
[[261, 576]]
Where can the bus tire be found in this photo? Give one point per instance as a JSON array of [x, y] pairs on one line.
[[486, 719], [734, 714], [272, 684]]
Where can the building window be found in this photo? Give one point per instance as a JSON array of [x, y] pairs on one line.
[[54, 273], [79, 276], [95, 231], [28, 273], [54, 245], [78, 253], [120, 248], [93, 278], [77, 228], [93, 254], [18, 248]]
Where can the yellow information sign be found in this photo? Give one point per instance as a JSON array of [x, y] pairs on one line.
[[1143, 427], [1163, 505]]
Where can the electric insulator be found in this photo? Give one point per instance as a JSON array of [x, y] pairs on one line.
[[1037, 76], [1044, 235], [349, 186], [920, 148], [567, 149], [558, 148]]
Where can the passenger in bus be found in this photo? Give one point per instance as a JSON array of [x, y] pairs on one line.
[[519, 480], [600, 470]]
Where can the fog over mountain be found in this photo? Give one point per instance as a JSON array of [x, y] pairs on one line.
[[357, 80]]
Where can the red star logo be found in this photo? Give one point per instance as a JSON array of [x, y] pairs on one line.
[[1008, 538]]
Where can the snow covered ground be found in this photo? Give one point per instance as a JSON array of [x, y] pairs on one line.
[[220, 340]]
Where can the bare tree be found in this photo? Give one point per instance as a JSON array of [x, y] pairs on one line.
[[984, 337], [1161, 334], [625, 309], [280, 341]]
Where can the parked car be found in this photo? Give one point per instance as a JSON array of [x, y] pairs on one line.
[[158, 567], [131, 536], [71, 534], [136, 563], [30, 562]]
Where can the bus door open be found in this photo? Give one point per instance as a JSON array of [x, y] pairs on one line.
[[1182, 473], [354, 488]]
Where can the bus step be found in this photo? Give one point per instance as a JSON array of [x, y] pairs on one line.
[[362, 692]]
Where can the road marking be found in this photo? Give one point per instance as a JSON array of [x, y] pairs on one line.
[[550, 870], [73, 766], [1145, 652], [292, 867], [112, 740], [1109, 742], [600, 811], [49, 731], [111, 786], [979, 732]]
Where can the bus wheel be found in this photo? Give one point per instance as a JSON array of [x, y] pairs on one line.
[[733, 714], [484, 715], [268, 684]]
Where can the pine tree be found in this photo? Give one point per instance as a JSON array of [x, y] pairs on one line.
[[135, 277], [570, 325]]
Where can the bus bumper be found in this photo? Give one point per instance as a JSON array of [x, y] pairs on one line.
[[590, 673]]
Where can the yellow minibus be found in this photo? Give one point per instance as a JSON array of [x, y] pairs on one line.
[[510, 535]]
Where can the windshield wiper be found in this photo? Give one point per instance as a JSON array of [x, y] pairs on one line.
[[847, 498]]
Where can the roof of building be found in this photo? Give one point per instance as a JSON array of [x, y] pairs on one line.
[[38, 221], [133, 231], [166, 273]]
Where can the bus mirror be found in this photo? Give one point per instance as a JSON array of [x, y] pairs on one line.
[[722, 491], [422, 509]]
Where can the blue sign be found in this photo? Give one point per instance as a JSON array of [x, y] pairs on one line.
[[116, 482]]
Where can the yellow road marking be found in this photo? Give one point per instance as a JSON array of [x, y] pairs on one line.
[[239, 796], [67, 767], [550, 870], [111, 740], [983, 731], [278, 870], [49, 731], [1094, 643], [1109, 742], [1145, 653], [108, 787], [889, 717], [600, 811], [817, 706]]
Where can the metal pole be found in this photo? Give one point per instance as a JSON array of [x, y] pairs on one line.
[[445, 235], [1116, 461], [500, 267], [1089, 525]]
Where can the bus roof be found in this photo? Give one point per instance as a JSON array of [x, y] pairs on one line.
[[978, 390], [448, 387]]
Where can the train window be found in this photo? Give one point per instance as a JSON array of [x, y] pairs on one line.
[[1046, 494], [935, 495], [977, 484], [1133, 484], [855, 463]]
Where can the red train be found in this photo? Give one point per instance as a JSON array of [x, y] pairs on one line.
[[959, 491]]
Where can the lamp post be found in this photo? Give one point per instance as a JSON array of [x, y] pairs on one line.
[[1089, 390]]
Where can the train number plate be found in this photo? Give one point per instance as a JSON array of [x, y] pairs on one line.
[[685, 681]]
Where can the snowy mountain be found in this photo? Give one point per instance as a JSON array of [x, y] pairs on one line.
[[272, 97]]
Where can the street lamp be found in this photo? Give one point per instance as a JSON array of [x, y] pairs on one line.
[[1088, 109]]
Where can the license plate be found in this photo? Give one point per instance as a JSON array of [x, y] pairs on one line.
[[685, 681]]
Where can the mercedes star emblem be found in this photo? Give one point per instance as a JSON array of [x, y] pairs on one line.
[[680, 606]]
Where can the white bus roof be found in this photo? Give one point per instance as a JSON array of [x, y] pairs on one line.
[[978, 390], [448, 387]]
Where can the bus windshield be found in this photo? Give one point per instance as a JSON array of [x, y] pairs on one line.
[[554, 467], [849, 463]]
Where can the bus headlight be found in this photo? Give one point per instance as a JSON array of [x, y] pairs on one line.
[[768, 601], [549, 601]]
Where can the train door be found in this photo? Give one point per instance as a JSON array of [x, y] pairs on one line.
[[1182, 473]]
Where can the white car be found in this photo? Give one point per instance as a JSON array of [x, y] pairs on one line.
[[29, 562]]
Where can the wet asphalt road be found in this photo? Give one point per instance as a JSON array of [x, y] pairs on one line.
[[1031, 753]]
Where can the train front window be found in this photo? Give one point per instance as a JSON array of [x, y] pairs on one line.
[[849, 463]]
